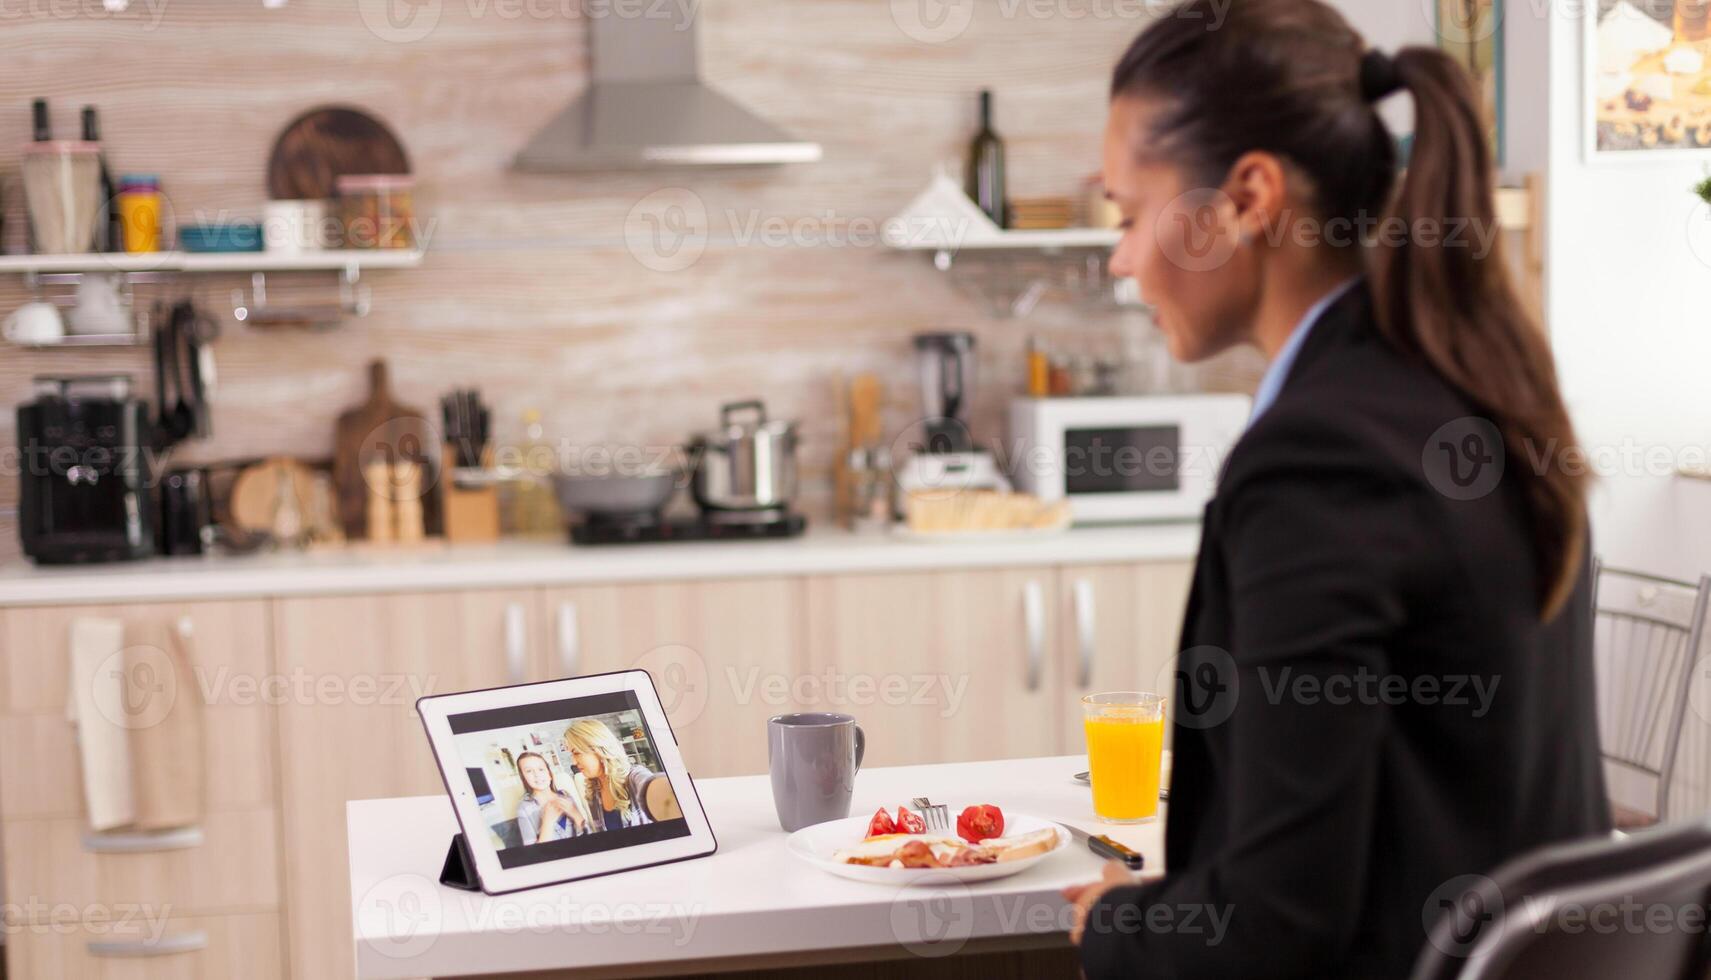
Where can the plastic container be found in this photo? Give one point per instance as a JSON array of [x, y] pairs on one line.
[[377, 210], [139, 211], [62, 192], [230, 236]]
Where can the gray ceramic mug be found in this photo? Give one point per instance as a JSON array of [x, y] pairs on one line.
[[814, 758]]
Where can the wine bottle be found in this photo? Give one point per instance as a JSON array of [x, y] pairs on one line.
[[986, 167], [42, 132], [109, 237]]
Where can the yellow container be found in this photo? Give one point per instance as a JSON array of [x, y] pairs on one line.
[[1125, 744], [139, 213]]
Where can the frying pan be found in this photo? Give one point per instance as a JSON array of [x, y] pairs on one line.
[[608, 497]]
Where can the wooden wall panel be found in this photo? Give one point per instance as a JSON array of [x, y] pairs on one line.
[[529, 292]]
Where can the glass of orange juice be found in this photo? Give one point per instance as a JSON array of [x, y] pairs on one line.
[[1125, 740]]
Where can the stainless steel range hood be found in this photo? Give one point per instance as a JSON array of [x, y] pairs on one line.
[[647, 107]]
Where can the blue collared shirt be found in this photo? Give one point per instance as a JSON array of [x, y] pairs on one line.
[[1278, 371]]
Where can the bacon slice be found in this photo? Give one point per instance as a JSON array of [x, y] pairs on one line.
[[916, 854]]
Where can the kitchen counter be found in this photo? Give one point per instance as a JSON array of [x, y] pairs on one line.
[[752, 901], [823, 550]]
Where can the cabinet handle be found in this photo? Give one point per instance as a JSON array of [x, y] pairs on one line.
[[1085, 627], [1034, 621], [180, 942], [143, 841], [516, 643], [569, 640]]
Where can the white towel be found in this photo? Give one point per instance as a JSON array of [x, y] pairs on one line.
[[96, 707]]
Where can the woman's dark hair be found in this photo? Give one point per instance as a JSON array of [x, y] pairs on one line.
[[1291, 78]]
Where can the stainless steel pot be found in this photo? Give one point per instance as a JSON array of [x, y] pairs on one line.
[[748, 463]]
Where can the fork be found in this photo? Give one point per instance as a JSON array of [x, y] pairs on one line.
[[936, 815]]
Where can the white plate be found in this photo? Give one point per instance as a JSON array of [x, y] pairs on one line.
[[817, 844]]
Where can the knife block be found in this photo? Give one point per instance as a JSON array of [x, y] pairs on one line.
[[470, 514]]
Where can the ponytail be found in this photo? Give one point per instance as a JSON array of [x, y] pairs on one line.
[[1457, 309], [1291, 78]]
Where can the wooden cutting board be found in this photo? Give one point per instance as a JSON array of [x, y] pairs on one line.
[[255, 493], [381, 427], [324, 144]]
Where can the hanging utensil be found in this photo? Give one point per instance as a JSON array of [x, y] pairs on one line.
[[199, 330]]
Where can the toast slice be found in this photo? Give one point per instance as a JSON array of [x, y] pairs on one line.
[[1042, 841]]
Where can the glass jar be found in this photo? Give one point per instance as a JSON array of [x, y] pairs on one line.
[[377, 210]]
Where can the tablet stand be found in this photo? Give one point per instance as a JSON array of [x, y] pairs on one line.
[[459, 869]]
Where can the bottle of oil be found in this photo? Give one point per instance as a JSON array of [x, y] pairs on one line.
[[529, 506]]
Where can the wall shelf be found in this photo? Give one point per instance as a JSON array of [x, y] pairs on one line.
[[311, 261], [71, 341], [1043, 240], [348, 264]]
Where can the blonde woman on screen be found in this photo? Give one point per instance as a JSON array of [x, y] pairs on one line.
[[613, 782]]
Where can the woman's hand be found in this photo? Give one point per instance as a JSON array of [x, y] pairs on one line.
[[575, 814], [548, 818], [1083, 896], [551, 811]]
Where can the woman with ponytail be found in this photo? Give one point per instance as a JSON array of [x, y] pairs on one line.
[[1386, 677]]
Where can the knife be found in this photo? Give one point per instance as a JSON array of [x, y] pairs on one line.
[[1106, 847]]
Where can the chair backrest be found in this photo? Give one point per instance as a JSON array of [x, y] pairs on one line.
[[1634, 908], [1646, 639]]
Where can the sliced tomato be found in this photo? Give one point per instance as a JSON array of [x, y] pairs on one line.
[[910, 822], [978, 823], [881, 824]]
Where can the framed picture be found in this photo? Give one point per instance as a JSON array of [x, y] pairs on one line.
[[1471, 32], [1648, 80]]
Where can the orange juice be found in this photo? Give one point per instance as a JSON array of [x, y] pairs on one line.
[[1124, 745]]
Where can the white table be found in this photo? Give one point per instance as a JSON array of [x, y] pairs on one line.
[[750, 902]]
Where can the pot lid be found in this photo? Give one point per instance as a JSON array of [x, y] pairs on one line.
[[745, 420]]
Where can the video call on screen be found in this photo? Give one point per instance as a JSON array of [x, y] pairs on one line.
[[565, 778]]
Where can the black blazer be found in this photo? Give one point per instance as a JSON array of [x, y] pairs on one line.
[[1367, 706]]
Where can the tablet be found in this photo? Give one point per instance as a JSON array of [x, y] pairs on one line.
[[567, 779]]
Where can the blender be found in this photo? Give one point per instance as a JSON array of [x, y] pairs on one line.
[[948, 460]]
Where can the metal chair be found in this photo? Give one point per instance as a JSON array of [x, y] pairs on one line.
[[1647, 632], [1633, 907]]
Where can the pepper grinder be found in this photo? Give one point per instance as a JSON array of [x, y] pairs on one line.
[[378, 477], [407, 502]]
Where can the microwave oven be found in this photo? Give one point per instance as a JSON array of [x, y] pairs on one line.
[[1116, 460]]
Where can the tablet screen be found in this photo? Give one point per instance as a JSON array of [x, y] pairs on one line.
[[565, 778]]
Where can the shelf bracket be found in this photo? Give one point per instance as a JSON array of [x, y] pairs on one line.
[[355, 300]]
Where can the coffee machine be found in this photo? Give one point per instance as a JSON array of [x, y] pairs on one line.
[[947, 459], [84, 494]]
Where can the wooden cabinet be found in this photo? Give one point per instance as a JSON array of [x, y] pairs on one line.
[[349, 729], [135, 948], [1119, 628], [41, 777], [725, 656], [983, 664], [938, 666], [219, 882], [310, 702]]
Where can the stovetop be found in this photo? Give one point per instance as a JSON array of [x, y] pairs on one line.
[[699, 528]]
